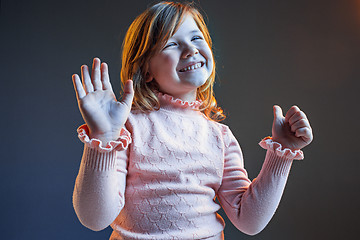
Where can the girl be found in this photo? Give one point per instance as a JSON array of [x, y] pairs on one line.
[[154, 162]]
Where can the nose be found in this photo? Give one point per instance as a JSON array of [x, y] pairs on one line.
[[189, 51]]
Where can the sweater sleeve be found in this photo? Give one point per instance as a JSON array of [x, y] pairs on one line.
[[251, 205], [99, 190]]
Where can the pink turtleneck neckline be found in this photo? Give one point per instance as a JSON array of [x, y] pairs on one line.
[[171, 103]]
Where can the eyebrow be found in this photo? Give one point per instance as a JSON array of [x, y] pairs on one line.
[[195, 31], [191, 32]]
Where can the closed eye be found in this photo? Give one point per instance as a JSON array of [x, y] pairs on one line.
[[196, 38], [169, 45]]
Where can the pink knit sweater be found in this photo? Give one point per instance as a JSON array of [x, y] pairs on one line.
[[161, 178]]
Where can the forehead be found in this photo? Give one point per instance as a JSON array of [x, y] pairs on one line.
[[187, 26]]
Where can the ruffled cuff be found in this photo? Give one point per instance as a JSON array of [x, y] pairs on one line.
[[277, 148], [121, 143]]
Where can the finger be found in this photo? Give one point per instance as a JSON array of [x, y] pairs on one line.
[[299, 124], [80, 92], [106, 85], [128, 93], [291, 112], [96, 76], [278, 113], [297, 117], [304, 133], [86, 79]]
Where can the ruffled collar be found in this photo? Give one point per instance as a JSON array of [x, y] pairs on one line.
[[167, 100]]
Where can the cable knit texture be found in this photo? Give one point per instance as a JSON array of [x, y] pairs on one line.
[[163, 185]]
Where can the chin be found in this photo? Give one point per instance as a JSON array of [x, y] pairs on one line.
[[196, 81], [196, 84]]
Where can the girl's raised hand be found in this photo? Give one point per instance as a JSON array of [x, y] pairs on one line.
[[104, 115], [292, 131]]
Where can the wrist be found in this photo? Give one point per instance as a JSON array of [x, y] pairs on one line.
[[103, 144], [274, 139], [284, 144], [282, 151], [104, 137]]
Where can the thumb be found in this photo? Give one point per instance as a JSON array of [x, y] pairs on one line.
[[128, 93], [278, 113]]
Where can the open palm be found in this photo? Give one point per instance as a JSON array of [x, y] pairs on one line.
[[104, 115]]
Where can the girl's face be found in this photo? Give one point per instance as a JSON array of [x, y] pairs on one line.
[[184, 64]]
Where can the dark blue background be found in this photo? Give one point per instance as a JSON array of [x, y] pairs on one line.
[[268, 52]]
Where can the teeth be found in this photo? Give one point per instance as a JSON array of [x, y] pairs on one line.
[[192, 67]]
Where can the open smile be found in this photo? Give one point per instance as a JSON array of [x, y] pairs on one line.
[[192, 67]]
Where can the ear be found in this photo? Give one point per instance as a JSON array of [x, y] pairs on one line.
[[148, 77]]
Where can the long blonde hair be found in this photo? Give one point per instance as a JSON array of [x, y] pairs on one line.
[[145, 37]]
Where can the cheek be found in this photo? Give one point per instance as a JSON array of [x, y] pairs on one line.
[[210, 60], [207, 53], [165, 64], [169, 61]]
